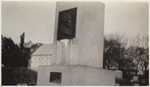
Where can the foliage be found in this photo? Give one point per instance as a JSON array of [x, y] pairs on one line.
[[14, 55], [10, 53], [34, 47], [18, 75], [129, 56], [141, 59], [16, 60], [22, 41], [111, 52]]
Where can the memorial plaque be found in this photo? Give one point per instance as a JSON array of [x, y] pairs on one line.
[[77, 62], [55, 77], [67, 24]]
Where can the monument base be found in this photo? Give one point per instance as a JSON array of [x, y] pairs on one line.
[[74, 76]]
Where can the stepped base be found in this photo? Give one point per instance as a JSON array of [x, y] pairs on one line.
[[74, 76]]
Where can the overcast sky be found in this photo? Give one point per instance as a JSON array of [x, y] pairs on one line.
[[37, 19]]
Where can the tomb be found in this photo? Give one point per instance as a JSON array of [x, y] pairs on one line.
[[42, 56], [77, 47]]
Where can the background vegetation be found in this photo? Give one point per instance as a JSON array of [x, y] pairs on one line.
[[16, 62], [131, 56]]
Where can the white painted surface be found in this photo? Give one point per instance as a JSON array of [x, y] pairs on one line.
[[42, 56], [39, 60]]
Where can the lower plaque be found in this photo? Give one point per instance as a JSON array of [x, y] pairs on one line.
[[55, 77]]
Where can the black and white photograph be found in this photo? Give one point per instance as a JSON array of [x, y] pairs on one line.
[[75, 43]]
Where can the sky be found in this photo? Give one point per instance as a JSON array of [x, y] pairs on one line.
[[37, 19], [126, 18]]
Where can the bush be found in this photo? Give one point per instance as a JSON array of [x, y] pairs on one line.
[[13, 76], [123, 82]]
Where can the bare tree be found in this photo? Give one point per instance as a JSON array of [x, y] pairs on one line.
[[126, 53]]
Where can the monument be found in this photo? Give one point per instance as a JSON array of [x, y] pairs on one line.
[[78, 47]]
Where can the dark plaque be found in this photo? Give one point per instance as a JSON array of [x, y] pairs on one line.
[[67, 24], [55, 77]]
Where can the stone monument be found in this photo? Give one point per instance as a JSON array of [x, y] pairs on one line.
[[78, 47]]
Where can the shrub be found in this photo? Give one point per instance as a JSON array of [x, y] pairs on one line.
[[13, 76]]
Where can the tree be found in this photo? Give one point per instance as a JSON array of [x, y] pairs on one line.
[[115, 54], [111, 52], [34, 47], [140, 53], [25, 56], [128, 55], [14, 55], [22, 41], [10, 53]]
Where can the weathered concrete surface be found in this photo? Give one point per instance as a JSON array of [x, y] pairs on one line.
[[80, 60], [118, 74], [87, 46], [77, 75]]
